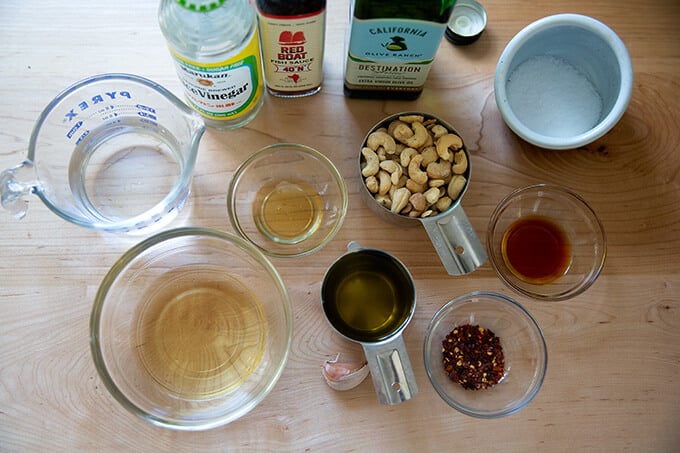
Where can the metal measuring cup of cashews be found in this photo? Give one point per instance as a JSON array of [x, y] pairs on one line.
[[415, 169]]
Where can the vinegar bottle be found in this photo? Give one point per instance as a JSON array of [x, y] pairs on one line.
[[292, 36], [392, 46], [215, 46]]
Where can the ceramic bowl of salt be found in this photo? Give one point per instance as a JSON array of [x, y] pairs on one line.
[[563, 81]]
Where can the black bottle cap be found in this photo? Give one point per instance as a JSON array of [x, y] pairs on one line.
[[467, 22]]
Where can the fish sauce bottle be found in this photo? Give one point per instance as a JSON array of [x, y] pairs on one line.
[[216, 50], [392, 46], [292, 34]]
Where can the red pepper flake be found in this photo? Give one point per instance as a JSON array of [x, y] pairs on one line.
[[473, 357]]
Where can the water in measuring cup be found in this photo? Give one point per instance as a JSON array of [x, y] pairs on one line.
[[123, 169]]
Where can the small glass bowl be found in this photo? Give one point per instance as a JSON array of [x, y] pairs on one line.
[[584, 239], [524, 349], [191, 328], [287, 199]]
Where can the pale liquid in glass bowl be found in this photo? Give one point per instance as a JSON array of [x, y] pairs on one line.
[[201, 334]]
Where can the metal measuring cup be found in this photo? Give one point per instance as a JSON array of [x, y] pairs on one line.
[[356, 290], [451, 233]]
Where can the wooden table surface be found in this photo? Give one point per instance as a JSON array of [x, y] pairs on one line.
[[613, 379]]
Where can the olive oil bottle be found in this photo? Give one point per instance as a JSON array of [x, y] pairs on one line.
[[392, 46]]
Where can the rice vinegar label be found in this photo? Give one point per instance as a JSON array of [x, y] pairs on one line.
[[226, 89], [392, 52], [292, 48]]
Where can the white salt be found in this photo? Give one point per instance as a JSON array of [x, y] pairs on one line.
[[552, 97]]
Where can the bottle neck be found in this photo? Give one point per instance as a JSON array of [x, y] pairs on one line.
[[429, 10], [290, 7], [196, 33], [200, 5]]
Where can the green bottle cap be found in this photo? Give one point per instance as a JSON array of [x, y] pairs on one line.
[[201, 6]]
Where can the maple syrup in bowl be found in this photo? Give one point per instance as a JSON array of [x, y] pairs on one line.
[[546, 242]]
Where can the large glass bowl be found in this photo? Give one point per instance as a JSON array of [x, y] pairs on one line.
[[191, 328], [524, 349]]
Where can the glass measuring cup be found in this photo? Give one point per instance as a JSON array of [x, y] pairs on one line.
[[113, 152]]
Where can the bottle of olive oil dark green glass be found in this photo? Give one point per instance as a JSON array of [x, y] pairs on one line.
[[392, 46]]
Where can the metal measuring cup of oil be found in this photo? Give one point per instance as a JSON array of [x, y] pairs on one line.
[[369, 296]]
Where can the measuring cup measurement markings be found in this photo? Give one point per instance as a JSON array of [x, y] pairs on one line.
[[368, 296], [109, 112], [113, 152]]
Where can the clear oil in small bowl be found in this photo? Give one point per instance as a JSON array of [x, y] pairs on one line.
[[288, 212]]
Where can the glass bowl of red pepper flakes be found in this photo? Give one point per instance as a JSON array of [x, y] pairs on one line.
[[485, 354]]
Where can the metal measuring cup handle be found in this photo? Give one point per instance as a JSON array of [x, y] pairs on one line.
[[456, 242], [391, 370]]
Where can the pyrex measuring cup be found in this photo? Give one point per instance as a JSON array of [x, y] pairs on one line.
[[113, 152], [368, 296]]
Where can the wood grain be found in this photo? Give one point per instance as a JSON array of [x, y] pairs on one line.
[[614, 360]]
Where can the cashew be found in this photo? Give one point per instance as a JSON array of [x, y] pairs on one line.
[[394, 125], [429, 141], [443, 204], [420, 135], [438, 130], [438, 170], [414, 186], [456, 186], [372, 162], [406, 155], [418, 201], [460, 163], [385, 182], [381, 138], [414, 171], [400, 199], [436, 182], [394, 169], [429, 155], [384, 200], [372, 184], [432, 195], [412, 118], [402, 132], [427, 213], [448, 141]]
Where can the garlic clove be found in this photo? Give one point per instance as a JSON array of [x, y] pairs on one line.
[[344, 375]]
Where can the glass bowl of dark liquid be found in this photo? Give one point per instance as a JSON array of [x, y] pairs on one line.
[[546, 242]]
